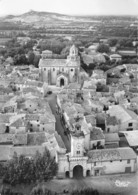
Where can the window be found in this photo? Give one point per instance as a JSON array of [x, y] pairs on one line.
[[98, 143], [53, 69], [78, 152], [71, 70], [94, 163], [108, 129], [128, 161], [130, 124], [120, 160], [31, 125], [111, 161], [38, 125], [44, 69], [62, 69], [43, 129]]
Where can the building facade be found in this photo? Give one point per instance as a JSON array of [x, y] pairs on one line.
[[82, 163], [60, 72]]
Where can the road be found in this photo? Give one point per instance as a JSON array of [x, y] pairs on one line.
[[59, 127], [104, 184]]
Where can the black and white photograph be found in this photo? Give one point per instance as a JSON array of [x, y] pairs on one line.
[[68, 97]]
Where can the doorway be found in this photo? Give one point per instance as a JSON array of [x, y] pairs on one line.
[[78, 171], [88, 173], [67, 174], [62, 83]]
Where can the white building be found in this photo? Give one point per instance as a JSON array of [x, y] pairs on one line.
[[80, 162]]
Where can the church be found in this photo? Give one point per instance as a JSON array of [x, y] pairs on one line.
[[60, 72]]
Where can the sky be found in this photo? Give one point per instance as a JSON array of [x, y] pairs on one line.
[[71, 7]]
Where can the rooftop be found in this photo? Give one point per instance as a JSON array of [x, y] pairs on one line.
[[96, 134], [111, 137], [132, 137], [112, 154]]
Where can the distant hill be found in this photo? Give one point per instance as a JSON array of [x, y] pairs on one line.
[[38, 18]]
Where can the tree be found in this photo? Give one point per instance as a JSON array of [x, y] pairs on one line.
[[88, 191], [112, 42], [102, 48], [41, 167], [31, 57], [36, 60], [20, 59], [65, 51]]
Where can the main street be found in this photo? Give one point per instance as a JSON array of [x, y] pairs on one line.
[[59, 126]]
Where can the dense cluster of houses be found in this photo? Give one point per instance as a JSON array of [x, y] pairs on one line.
[[27, 124], [97, 122]]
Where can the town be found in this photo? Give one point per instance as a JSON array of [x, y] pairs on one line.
[[73, 95]]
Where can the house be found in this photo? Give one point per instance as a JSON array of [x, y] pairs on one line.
[[20, 139], [112, 161], [5, 153], [132, 138], [89, 86], [112, 124], [128, 120], [36, 138], [111, 140], [75, 87], [98, 76], [97, 138], [91, 120], [95, 162], [17, 124], [116, 57]]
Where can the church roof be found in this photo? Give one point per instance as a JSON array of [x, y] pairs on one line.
[[52, 62]]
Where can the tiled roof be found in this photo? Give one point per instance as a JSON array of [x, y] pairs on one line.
[[20, 139], [132, 137], [111, 154], [112, 120], [111, 137], [5, 118], [4, 152], [36, 138], [96, 134], [47, 118], [52, 62], [122, 114], [26, 150], [90, 119], [6, 138]]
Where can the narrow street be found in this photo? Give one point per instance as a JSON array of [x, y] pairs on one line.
[[59, 126]]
